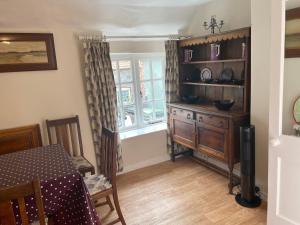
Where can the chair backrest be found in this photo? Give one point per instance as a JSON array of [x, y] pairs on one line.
[[19, 193], [20, 138], [108, 154], [66, 132]]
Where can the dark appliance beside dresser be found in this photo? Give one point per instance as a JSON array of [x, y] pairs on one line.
[[201, 126]]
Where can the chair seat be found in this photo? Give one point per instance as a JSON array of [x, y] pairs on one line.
[[82, 164], [97, 183], [38, 223]]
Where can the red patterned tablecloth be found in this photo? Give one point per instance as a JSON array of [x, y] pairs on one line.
[[65, 195]]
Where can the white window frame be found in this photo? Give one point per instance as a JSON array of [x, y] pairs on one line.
[[138, 100]]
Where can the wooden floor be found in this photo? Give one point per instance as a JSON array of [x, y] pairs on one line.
[[180, 193]]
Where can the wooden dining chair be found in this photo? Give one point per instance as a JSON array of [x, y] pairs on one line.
[[20, 138], [104, 185], [67, 132], [19, 193]]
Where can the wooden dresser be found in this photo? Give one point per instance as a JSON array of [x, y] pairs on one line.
[[201, 126]]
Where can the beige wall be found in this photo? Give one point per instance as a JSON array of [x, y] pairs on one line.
[[237, 14], [32, 97], [260, 19]]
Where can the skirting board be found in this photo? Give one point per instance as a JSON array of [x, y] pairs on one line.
[[236, 170], [149, 162]]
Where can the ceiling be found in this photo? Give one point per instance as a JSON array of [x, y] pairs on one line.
[[291, 4], [113, 17]]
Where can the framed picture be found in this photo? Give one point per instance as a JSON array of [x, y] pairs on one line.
[[27, 52], [292, 33]]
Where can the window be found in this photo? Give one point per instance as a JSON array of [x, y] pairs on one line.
[[140, 89]]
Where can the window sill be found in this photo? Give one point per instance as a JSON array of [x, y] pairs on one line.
[[142, 131]]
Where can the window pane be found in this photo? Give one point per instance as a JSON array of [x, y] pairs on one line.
[[144, 69], [159, 91], [127, 94], [119, 118], [114, 65], [159, 110], [125, 71], [118, 96], [129, 115], [157, 69], [116, 77], [146, 89], [148, 112]]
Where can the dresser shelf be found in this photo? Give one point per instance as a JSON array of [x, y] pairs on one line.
[[214, 85], [214, 61]]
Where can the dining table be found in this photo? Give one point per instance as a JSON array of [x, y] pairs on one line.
[[65, 195]]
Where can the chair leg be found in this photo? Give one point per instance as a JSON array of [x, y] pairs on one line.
[[109, 203], [117, 205]]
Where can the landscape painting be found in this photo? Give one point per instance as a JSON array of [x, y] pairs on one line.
[[27, 52], [292, 33], [16, 52]]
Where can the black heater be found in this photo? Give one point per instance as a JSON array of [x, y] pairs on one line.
[[248, 196]]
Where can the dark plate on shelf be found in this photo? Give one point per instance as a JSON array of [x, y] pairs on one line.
[[237, 82], [190, 99], [226, 74], [224, 104]]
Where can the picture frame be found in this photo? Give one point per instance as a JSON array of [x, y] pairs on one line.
[[27, 52], [292, 33]]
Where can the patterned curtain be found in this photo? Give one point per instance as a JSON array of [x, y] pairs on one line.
[[100, 93], [172, 87]]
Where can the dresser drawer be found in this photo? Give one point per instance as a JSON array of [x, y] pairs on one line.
[[212, 120], [182, 114]]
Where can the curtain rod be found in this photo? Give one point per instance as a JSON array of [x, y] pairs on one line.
[[100, 36], [172, 37]]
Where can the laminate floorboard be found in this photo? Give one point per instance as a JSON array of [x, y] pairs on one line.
[[180, 193]]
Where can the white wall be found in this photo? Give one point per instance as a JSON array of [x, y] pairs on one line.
[[237, 14], [137, 46], [32, 97], [144, 150]]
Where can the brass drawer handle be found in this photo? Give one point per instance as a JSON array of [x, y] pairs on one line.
[[188, 116], [200, 118]]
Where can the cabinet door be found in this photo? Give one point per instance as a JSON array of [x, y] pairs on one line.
[[184, 132], [212, 141]]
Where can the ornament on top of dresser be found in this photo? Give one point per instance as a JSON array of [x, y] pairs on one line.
[[243, 50], [224, 104], [213, 24], [188, 55], [215, 51]]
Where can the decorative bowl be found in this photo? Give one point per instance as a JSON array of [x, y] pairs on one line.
[[224, 104], [190, 99]]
